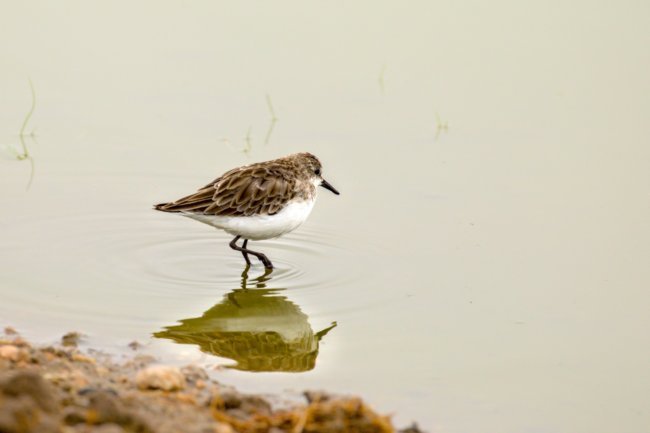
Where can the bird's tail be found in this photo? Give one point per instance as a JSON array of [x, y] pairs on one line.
[[165, 207]]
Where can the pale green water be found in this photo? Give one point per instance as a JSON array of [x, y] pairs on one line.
[[491, 276]]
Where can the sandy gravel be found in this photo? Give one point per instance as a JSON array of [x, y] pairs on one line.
[[60, 389]]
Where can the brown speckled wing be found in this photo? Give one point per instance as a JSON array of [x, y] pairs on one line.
[[243, 191]]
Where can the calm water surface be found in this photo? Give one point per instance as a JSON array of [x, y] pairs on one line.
[[485, 268]]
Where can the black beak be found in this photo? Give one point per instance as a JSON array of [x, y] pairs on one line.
[[325, 184]]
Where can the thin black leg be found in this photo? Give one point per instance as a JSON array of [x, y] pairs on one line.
[[244, 253], [265, 260]]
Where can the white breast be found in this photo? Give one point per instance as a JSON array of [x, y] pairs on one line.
[[260, 227]]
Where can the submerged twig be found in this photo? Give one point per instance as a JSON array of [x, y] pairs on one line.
[[31, 109], [21, 134], [247, 140], [269, 132], [274, 119], [271, 110], [29, 158], [25, 155]]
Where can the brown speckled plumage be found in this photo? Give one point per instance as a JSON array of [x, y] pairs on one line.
[[263, 188]]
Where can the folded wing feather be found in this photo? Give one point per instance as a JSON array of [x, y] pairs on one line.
[[240, 192]]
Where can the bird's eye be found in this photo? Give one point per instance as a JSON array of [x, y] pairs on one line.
[[317, 172]]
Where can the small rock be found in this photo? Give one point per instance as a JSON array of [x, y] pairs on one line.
[[21, 342], [73, 416], [194, 373], [161, 377], [109, 428], [413, 428], [67, 379], [140, 361], [185, 398], [134, 345], [83, 358], [22, 415], [10, 331], [71, 339], [316, 396], [13, 353], [122, 379], [222, 427], [30, 384], [241, 405], [89, 390], [105, 408]]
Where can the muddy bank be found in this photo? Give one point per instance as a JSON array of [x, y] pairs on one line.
[[60, 389]]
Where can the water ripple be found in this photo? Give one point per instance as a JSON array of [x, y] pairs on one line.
[[88, 263]]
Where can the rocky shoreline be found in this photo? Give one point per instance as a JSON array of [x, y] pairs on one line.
[[61, 389]]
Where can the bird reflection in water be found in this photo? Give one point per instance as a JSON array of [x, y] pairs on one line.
[[255, 326]]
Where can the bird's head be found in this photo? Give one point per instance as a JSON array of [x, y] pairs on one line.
[[313, 170]]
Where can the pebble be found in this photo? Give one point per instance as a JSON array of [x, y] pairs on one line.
[[71, 339], [20, 342], [13, 353], [32, 385], [163, 377], [67, 379], [83, 358], [194, 373], [108, 428], [222, 427]]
